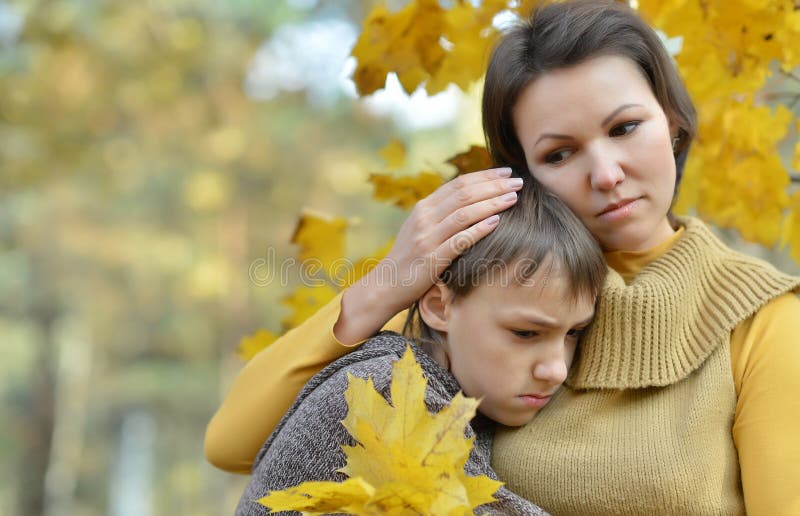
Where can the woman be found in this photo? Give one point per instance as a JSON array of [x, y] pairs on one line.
[[683, 398]]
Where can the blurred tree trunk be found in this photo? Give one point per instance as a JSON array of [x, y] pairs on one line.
[[70, 412], [37, 424]]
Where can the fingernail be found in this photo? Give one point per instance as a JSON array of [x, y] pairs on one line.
[[514, 182], [510, 196], [503, 172], [493, 220]]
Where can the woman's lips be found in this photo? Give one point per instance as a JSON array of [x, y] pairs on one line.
[[535, 400], [618, 210]]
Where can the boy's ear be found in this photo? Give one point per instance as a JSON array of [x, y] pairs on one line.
[[433, 307]]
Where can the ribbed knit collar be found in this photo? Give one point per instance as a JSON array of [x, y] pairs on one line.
[[674, 313]]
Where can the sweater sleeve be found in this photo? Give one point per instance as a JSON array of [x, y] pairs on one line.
[[765, 355], [266, 387]]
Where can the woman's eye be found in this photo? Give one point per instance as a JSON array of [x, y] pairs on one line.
[[554, 158], [623, 129], [525, 334]]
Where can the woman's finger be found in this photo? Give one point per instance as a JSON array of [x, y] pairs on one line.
[[461, 241], [465, 190], [472, 214]]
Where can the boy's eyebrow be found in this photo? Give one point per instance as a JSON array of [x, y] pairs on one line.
[[549, 323]]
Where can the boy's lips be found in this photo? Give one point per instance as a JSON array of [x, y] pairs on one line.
[[535, 400]]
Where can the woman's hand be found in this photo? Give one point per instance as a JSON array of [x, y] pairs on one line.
[[439, 228]]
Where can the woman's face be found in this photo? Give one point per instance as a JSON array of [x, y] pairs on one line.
[[595, 135]]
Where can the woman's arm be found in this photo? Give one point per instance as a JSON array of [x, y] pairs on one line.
[[437, 229], [765, 353]]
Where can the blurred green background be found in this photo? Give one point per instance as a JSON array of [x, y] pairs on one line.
[[151, 151]]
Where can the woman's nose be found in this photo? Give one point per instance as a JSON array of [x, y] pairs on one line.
[[606, 172]]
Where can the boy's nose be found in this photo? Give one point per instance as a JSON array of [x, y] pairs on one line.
[[552, 371]]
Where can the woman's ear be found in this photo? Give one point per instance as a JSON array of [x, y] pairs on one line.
[[433, 307]]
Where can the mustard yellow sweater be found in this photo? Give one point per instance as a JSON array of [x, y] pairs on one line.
[[764, 364]]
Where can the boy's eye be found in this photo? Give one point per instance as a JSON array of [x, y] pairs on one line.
[[554, 158], [623, 129], [525, 334], [576, 333]]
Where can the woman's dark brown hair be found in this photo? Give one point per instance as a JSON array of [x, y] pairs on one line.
[[564, 34], [539, 230]]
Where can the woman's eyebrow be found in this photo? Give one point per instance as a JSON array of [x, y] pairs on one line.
[[553, 135], [617, 111], [605, 122]]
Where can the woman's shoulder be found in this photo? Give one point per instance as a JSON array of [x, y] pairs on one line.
[[779, 315], [767, 340], [698, 238], [784, 306], [702, 256]]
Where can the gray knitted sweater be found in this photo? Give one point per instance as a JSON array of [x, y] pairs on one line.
[[306, 444]]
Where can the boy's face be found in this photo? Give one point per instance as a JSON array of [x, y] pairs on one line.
[[512, 344]]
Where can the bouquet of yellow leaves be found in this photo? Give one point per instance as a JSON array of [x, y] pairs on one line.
[[405, 461]]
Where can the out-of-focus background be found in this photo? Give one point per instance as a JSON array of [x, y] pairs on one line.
[[155, 155], [150, 153]]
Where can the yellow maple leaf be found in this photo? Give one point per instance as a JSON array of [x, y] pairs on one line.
[[472, 160], [405, 191], [470, 35], [250, 345], [321, 240], [304, 302], [406, 460], [394, 154], [405, 42], [370, 74], [321, 497]]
